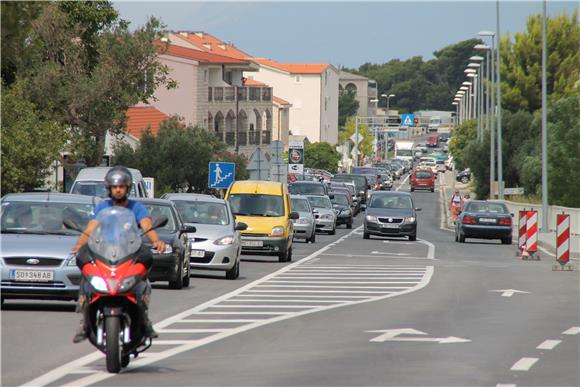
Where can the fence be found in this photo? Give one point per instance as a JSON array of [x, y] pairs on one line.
[[553, 212]]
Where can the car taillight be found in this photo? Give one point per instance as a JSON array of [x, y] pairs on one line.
[[505, 221], [469, 219]]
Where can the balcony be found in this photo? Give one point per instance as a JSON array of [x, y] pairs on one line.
[[228, 94], [231, 138], [254, 137], [266, 137]]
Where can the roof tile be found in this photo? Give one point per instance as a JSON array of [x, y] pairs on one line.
[[140, 118]]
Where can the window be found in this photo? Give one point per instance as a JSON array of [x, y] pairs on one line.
[[297, 79], [202, 212], [157, 211], [257, 205]]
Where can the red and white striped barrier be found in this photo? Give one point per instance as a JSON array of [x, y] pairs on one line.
[[532, 231], [522, 228], [563, 239]]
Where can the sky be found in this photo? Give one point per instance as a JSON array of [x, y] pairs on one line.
[[346, 34]]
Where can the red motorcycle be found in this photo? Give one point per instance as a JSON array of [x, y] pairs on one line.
[[111, 279]]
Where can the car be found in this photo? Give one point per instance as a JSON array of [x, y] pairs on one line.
[[308, 188], [483, 219], [464, 176], [36, 260], [171, 265], [266, 208], [91, 181], [391, 214], [324, 213], [216, 243], [352, 204], [305, 225], [440, 166], [342, 205], [360, 181], [433, 141], [423, 179], [351, 189]]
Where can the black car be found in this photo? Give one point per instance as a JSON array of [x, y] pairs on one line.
[[341, 206], [484, 220], [464, 176], [391, 214], [308, 188], [360, 181], [173, 264]]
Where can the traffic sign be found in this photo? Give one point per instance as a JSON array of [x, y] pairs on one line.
[[356, 139], [513, 191], [259, 165], [221, 175], [296, 169], [407, 120], [296, 157], [149, 186]]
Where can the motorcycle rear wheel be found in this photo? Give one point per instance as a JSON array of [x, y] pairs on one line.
[[113, 344]]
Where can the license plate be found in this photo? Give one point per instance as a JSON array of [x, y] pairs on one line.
[[487, 220], [252, 243], [197, 253], [32, 275], [390, 226]]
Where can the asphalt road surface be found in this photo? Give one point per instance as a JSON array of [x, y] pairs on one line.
[[346, 312]]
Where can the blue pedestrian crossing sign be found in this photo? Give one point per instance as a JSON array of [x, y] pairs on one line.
[[221, 175], [407, 120]]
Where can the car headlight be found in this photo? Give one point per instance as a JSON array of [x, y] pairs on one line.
[[302, 221], [225, 240], [98, 283], [168, 250], [410, 219], [277, 231], [327, 216], [371, 218], [71, 260], [128, 283]]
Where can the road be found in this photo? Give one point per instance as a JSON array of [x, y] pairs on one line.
[[346, 312]]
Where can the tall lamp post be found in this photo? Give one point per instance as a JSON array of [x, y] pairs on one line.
[[388, 97], [375, 140], [499, 135], [544, 125], [478, 65]]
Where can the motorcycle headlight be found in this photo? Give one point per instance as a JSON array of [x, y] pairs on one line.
[[277, 231], [371, 218], [410, 219], [71, 260], [98, 283], [128, 283], [225, 240]]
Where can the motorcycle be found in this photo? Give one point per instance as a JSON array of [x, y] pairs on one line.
[[113, 274]]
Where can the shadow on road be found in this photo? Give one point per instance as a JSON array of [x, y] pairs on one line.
[[38, 307]]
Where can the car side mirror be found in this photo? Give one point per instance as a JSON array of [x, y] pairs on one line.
[[294, 215], [512, 214], [241, 226], [363, 207], [331, 196], [188, 229], [418, 209], [314, 211]]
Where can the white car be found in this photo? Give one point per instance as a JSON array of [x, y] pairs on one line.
[[430, 164], [216, 243]]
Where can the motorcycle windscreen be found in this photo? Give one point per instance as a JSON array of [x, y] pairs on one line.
[[116, 235]]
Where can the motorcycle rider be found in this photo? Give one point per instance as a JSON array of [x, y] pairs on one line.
[[118, 182]]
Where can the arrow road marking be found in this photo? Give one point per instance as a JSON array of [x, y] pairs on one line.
[[508, 292], [392, 335]]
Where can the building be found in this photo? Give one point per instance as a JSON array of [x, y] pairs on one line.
[[364, 89]]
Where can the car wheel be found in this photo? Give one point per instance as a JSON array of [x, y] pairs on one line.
[[234, 272], [506, 241], [465, 180], [178, 282], [413, 238], [412, 189], [312, 238], [456, 237], [366, 235], [461, 238], [349, 225], [432, 189], [285, 256], [187, 278], [333, 231]]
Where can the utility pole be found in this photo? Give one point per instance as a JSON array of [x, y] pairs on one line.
[[499, 135], [544, 125]]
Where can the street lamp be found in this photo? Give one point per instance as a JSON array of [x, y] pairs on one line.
[[388, 97], [478, 93], [489, 116], [493, 110]]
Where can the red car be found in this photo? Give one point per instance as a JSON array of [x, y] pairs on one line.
[[423, 179], [433, 141]]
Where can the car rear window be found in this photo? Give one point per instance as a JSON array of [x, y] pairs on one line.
[[423, 175], [306, 189], [497, 208]]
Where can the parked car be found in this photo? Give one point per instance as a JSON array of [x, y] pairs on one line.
[[91, 181], [464, 176], [171, 265], [216, 243], [341, 203], [324, 213], [391, 214], [36, 260], [423, 179], [266, 208], [484, 220], [305, 225]]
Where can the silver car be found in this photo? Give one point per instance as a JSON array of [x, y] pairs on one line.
[[36, 259], [305, 225], [324, 213], [216, 244]]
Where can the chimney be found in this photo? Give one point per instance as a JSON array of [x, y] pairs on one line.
[[183, 34], [199, 34], [207, 45], [222, 46]]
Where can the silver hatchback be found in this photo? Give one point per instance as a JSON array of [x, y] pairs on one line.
[[36, 260]]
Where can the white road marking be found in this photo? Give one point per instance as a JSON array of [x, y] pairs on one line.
[[385, 253], [394, 335], [167, 342], [165, 330], [287, 300], [549, 344], [239, 320], [213, 307], [332, 287], [402, 183], [572, 331], [524, 364], [509, 292], [505, 385], [430, 248], [303, 296], [337, 282]]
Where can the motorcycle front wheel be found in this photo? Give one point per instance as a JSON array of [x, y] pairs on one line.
[[113, 344]]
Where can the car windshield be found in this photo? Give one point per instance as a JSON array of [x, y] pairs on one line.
[[404, 152], [391, 201], [303, 189], [497, 208], [319, 201], [43, 217], [116, 235], [300, 205], [340, 200], [202, 212], [157, 210], [94, 188], [423, 175], [360, 181], [365, 170], [256, 205]]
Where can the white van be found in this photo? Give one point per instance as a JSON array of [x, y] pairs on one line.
[[91, 181]]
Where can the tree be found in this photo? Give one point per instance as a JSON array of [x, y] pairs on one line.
[[347, 107], [30, 142], [321, 155]]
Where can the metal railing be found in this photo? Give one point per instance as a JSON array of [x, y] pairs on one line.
[[228, 94]]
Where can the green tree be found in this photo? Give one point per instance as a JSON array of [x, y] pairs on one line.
[[321, 155], [30, 142], [347, 107]]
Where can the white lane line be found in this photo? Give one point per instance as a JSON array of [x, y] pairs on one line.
[[167, 342], [219, 321], [351, 272], [413, 277], [342, 282], [317, 291], [84, 370], [403, 182], [505, 385], [430, 248], [241, 313], [263, 306], [302, 296], [332, 287], [287, 300], [549, 344], [572, 331], [524, 364], [374, 266], [166, 330], [385, 253]]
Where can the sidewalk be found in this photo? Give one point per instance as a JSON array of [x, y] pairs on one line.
[[547, 241]]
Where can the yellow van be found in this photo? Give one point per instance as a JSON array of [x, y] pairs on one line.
[[266, 208]]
